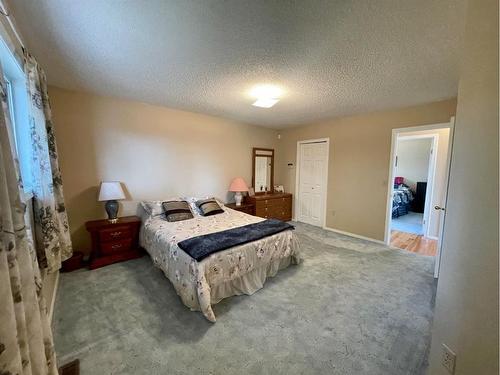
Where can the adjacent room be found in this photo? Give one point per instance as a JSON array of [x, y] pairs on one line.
[[421, 162], [249, 187]]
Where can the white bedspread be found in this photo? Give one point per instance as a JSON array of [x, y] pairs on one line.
[[238, 270]]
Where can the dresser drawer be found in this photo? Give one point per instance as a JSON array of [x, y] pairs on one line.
[[273, 206], [276, 212], [274, 202], [108, 248], [113, 234], [265, 210]]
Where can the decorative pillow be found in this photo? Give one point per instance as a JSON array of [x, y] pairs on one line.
[[155, 208], [195, 209], [209, 207], [177, 210]]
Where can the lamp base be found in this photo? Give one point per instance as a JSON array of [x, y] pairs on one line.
[[238, 197], [112, 210]]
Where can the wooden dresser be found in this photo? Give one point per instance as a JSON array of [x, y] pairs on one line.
[[114, 242], [273, 206]]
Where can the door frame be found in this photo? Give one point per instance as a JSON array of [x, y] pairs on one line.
[[431, 174], [390, 182], [325, 178]]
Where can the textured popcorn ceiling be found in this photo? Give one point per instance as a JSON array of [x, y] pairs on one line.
[[333, 58]]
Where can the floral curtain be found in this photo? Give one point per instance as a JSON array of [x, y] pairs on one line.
[[53, 243], [26, 345]]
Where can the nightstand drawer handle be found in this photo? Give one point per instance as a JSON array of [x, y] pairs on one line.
[[115, 234], [117, 246]]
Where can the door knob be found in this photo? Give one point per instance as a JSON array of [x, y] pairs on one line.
[[439, 208]]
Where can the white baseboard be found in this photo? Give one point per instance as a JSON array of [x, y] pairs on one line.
[[49, 291], [354, 235], [432, 237], [54, 295]]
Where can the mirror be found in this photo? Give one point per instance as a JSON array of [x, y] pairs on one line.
[[263, 170]]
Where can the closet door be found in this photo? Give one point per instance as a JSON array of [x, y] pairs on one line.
[[312, 192]]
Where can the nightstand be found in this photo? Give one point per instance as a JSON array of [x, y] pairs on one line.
[[114, 242], [246, 207]]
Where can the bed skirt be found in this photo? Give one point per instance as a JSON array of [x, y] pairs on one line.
[[250, 282]]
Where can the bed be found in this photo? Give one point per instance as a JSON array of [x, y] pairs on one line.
[[402, 196], [238, 270]]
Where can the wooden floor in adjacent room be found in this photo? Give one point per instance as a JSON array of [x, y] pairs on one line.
[[413, 242]]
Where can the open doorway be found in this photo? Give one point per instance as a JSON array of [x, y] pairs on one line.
[[414, 172], [418, 185]]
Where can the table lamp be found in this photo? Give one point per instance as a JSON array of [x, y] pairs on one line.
[[111, 191], [238, 186]]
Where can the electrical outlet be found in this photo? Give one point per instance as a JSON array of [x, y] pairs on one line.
[[448, 359]]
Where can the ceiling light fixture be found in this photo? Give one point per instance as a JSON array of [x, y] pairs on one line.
[[266, 95], [265, 102]]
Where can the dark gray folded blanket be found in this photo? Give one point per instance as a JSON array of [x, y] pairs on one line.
[[202, 246]]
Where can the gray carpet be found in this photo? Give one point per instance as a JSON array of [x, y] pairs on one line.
[[352, 307]]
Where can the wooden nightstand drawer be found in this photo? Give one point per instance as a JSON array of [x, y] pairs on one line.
[[114, 241], [113, 234], [248, 208], [109, 248]]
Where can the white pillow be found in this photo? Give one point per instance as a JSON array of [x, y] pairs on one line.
[[152, 208], [192, 204]]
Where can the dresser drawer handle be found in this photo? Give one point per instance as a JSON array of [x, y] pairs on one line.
[[117, 246], [115, 234]]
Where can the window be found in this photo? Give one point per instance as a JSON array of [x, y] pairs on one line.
[[10, 103], [17, 102]]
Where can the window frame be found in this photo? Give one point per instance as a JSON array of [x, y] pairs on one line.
[[18, 106], [10, 105]]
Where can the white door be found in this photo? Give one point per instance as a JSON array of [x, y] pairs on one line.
[[312, 172], [442, 208]]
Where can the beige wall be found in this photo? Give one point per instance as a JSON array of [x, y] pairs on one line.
[[413, 160], [466, 313], [358, 164], [155, 151]]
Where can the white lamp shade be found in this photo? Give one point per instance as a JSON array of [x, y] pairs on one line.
[[111, 190]]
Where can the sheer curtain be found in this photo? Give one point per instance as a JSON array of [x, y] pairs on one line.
[[26, 345]]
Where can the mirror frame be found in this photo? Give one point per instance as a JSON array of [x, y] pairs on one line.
[[255, 153]]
